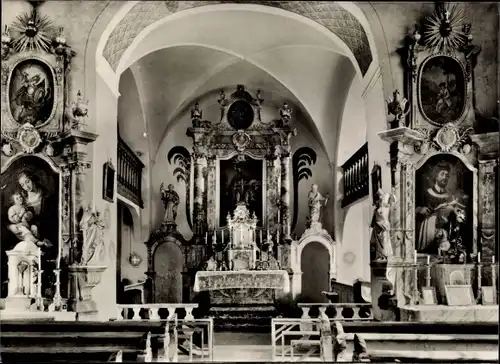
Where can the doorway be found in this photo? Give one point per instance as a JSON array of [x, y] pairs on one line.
[[168, 263], [315, 267]]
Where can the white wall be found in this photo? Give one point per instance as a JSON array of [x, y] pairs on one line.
[[351, 222]]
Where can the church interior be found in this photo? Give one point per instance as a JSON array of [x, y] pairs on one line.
[[249, 180]]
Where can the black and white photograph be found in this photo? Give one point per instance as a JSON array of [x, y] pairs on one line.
[[231, 181]]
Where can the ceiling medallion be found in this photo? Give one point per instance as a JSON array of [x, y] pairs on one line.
[[241, 140], [29, 138]]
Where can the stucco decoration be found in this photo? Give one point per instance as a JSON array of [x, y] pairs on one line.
[[329, 14]]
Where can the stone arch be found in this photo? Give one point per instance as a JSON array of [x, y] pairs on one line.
[[296, 258], [133, 19]]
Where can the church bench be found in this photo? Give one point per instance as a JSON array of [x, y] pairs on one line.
[[436, 356]]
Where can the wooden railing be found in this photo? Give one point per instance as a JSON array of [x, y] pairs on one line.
[[356, 176], [190, 336], [129, 175]]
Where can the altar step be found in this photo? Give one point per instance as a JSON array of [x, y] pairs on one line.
[[243, 318]]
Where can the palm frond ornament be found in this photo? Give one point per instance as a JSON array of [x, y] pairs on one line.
[[445, 29], [33, 32]]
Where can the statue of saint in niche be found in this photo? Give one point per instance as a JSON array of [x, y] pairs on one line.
[[171, 201], [441, 210], [315, 201]]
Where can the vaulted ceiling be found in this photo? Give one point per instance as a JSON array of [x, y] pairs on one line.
[[190, 56]]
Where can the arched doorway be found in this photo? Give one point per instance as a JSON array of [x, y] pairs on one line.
[[315, 266], [168, 264]]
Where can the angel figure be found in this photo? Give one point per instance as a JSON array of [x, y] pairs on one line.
[[92, 227], [397, 108], [196, 113], [31, 99]]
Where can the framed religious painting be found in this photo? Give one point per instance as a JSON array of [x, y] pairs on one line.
[[440, 58], [442, 90], [108, 182], [488, 295], [459, 295]]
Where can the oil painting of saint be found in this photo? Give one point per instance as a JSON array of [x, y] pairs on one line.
[[443, 206], [442, 90], [31, 93], [240, 183], [29, 191]]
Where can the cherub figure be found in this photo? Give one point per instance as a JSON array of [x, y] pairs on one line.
[[285, 114]]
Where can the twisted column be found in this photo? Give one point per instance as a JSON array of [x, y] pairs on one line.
[[199, 191], [285, 195]]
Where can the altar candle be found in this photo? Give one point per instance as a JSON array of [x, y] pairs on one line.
[[241, 235], [493, 260], [39, 258], [59, 257], [267, 236], [428, 260], [415, 257], [206, 238], [261, 236], [222, 237], [215, 238], [479, 257]]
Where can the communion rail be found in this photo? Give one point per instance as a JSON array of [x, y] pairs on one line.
[[300, 340], [288, 334], [194, 336], [129, 174]]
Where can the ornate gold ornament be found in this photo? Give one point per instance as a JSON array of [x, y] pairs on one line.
[[33, 32], [29, 138], [446, 29]]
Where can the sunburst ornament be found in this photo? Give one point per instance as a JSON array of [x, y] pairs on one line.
[[445, 29], [33, 32]]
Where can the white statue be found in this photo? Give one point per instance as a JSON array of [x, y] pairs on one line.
[[315, 201], [93, 237], [380, 241]]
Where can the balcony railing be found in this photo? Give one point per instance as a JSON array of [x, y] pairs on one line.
[[129, 176], [356, 176]]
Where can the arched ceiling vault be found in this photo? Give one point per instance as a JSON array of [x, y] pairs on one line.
[[176, 62]]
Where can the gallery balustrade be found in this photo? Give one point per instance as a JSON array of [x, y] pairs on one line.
[[356, 176], [129, 175]]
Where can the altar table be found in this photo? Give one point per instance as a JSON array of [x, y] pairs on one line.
[[242, 279]]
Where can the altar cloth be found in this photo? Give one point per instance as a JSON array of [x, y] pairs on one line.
[[441, 313], [263, 279]]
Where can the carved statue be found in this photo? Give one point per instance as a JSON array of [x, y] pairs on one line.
[[360, 352], [171, 201], [223, 103], [380, 241], [196, 113], [285, 114], [92, 227], [315, 201], [340, 344], [397, 107]]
